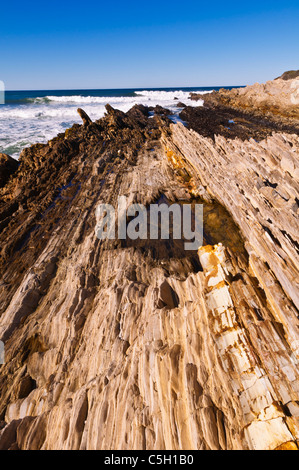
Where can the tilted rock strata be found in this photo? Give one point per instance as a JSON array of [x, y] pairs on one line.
[[265, 419], [121, 345], [261, 192]]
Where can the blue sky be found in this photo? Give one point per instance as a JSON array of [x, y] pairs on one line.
[[126, 44]]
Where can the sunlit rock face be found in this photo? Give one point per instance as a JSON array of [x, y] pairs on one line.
[[142, 345], [259, 405], [277, 98]]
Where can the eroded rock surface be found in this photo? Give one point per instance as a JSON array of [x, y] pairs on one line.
[[278, 99], [142, 345]]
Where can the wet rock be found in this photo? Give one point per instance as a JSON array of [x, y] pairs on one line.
[[159, 110], [196, 96]]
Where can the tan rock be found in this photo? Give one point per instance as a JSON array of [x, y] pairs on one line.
[[140, 345]]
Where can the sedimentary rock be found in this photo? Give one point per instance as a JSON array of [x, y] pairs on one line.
[[122, 344], [278, 99], [85, 118], [8, 166]]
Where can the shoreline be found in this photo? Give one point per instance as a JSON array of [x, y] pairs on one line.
[[30, 117]]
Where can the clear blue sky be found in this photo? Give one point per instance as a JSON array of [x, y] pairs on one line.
[[117, 44]]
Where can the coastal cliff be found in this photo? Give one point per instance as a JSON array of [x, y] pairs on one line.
[[122, 344]]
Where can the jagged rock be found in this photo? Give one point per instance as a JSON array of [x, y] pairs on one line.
[[167, 297], [8, 166], [139, 113], [85, 118], [161, 111], [122, 344], [196, 96]]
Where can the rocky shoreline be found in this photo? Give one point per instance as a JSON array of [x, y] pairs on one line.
[[278, 99], [252, 112], [119, 345]]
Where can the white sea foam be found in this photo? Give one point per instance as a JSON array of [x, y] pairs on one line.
[[145, 95], [154, 95], [44, 117]]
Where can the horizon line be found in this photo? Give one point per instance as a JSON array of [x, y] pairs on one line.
[[127, 88]]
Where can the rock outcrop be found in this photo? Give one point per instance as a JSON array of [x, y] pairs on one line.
[[123, 344], [289, 75], [278, 99]]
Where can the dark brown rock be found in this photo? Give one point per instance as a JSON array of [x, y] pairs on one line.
[[196, 96], [159, 110], [85, 118], [181, 105], [8, 166], [212, 120], [168, 298]]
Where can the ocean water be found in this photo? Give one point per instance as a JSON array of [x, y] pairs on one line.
[[29, 117]]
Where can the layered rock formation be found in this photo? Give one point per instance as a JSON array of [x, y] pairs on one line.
[[278, 99], [122, 344]]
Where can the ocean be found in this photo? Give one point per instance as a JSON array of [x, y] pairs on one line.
[[29, 117]]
